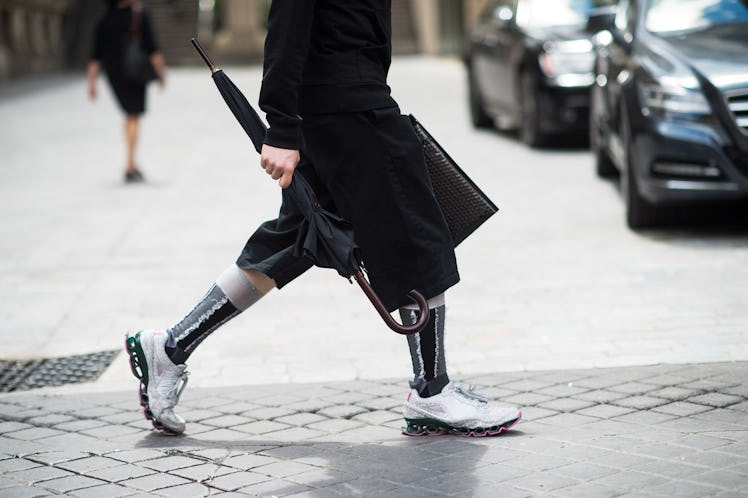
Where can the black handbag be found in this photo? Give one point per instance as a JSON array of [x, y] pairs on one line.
[[464, 206], [137, 66]]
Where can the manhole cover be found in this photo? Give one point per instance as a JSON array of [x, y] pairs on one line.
[[49, 372]]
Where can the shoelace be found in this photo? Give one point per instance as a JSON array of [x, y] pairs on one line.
[[175, 392], [470, 394]]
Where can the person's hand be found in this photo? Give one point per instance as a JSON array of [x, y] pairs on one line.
[[92, 90], [279, 163]]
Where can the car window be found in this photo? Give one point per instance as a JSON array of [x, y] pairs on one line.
[[539, 14], [664, 16]]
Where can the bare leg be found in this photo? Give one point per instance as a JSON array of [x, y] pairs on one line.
[[262, 282], [132, 123]]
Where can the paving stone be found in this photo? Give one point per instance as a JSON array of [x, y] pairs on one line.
[[640, 402], [274, 487], [600, 396], [203, 472], [587, 490], [377, 417], [39, 474], [169, 463], [34, 433], [716, 400], [261, 427], [562, 391], [79, 425], [634, 388], [629, 479], [237, 480], [683, 489], [721, 478], [583, 471], [542, 482], [226, 421], [248, 461], [192, 489], [15, 464], [23, 492], [704, 442], [119, 473], [154, 482], [87, 464], [674, 393], [106, 490], [70, 483], [604, 411], [668, 468], [284, 469], [335, 426], [267, 413], [644, 417], [565, 405], [681, 408], [341, 411], [528, 399], [381, 404], [301, 419], [9, 426]]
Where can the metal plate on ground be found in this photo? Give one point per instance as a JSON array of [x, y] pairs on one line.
[[22, 375]]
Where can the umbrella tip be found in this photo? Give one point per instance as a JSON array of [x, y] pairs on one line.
[[203, 54]]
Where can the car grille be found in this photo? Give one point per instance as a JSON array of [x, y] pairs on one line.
[[738, 104]]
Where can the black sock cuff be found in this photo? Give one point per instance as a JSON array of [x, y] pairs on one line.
[[428, 388]]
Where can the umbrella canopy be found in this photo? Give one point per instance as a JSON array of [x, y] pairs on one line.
[[325, 238]]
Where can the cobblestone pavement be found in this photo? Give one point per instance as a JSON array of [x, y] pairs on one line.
[[674, 431]]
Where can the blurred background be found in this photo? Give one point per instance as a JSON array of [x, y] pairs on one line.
[[40, 36]]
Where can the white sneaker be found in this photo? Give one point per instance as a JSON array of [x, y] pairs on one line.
[[456, 411], [161, 381]]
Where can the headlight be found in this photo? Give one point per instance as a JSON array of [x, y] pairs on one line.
[[568, 63], [673, 98]]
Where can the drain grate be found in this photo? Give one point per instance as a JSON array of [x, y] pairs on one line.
[[50, 372]]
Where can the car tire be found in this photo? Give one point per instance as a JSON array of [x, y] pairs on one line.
[[639, 212], [604, 166], [478, 115], [529, 127]]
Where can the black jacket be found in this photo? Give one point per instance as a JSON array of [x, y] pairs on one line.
[[323, 56]]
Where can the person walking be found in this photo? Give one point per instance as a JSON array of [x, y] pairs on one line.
[[333, 120], [124, 19]]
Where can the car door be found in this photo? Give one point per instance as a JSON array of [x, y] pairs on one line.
[[492, 41], [617, 71]]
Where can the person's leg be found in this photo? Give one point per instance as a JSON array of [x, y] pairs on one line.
[[132, 127], [436, 405], [158, 357], [427, 348]]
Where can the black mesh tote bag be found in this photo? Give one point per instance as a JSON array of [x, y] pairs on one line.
[[464, 205]]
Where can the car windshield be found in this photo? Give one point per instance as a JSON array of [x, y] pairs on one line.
[[539, 14], [667, 16]]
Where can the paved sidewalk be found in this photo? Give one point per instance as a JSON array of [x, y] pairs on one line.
[[674, 431]]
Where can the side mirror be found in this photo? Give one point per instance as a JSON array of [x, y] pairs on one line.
[[600, 19]]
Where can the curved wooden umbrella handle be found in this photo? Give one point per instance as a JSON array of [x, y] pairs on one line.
[[416, 296]]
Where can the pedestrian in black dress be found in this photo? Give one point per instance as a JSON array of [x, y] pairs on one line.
[[110, 37], [332, 120]]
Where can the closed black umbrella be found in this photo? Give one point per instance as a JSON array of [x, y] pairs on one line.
[[326, 238]]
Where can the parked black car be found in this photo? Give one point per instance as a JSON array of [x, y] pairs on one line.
[[670, 104], [529, 65]]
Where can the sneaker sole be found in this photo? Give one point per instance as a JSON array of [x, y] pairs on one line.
[[139, 367], [431, 427]]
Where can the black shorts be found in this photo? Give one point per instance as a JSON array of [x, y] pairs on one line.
[[369, 168]]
